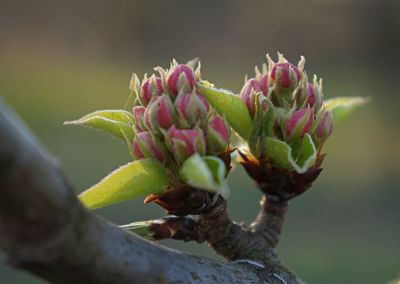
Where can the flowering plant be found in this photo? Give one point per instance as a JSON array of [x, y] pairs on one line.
[[179, 136]]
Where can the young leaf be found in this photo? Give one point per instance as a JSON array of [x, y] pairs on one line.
[[341, 107], [118, 123], [281, 154], [205, 173], [228, 105], [132, 180], [141, 228]]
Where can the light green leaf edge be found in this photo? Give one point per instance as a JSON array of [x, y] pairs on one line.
[[118, 123], [228, 105], [281, 154], [140, 228], [206, 173], [341, 107], [132, 180]]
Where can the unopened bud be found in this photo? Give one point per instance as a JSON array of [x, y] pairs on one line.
[[192, 108], [160, 113], [218, 135], [248, 94], [299, 123], [185, 142], [146, 145], [181, 77], [323, 127], [138, 118], [286, 76], [310, 95], [150, 88]]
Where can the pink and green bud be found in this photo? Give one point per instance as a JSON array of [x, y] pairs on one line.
[[185, 142], [310, 95], [264, 84], [218, 135], [181, 77], [150, 88], [323, 127], [138, 118], [285, 76], [146, 145], [248, 94], [299, 123], [191, 107], [160, 113]]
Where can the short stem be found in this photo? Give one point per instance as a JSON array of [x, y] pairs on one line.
[[269, 221]]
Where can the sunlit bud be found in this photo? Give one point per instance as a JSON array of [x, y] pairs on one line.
[[160, 113], [192, 108], [138, 118], [285, 76], [150, 88], [248, 94], [299, 123], [322, 127], [186, 142], [181, 77], [146, 145], [218, 135], [310, 95]]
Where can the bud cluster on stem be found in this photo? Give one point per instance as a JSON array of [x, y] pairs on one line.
[[285, 106], [173, 120]]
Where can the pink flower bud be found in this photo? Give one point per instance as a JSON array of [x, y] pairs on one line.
[[185, 142], [310, 95], [264, 83], [218, 135], [286, 76], [181, 76], [247, 94], [160, 113], [299, 123], [147, 146], [191, 107], [150, 88], [323, 127], [138, 118]]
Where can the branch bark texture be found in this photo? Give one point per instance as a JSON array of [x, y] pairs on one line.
[[45, 230]]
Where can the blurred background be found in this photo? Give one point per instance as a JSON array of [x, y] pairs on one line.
[[62, 59]]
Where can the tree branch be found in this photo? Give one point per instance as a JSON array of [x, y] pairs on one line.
[[269, 221], [45, 230]]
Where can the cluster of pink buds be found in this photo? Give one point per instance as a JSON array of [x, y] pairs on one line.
[[173, 120], [294, 106]]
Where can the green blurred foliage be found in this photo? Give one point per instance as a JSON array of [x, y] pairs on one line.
[[58, 64]]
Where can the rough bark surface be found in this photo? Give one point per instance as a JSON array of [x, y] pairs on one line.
[[45, 230]]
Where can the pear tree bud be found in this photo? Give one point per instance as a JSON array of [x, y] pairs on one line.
[[150, 88], [146, 145], [160, 113], [299, 123], [181, 77], [138, 118], [322, 127], [218, 135], [185, 142], [191, 107]]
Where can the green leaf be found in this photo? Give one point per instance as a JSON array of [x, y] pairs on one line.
[[341, 107], [118, 123], [141, 228], [230, 106], [206, 173], [281, 154], [132, 180]]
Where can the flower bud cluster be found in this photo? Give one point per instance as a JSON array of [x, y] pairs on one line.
[[292, 105], [172, 119]]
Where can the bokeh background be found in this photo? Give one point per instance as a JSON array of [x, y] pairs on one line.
[[62, 59]]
